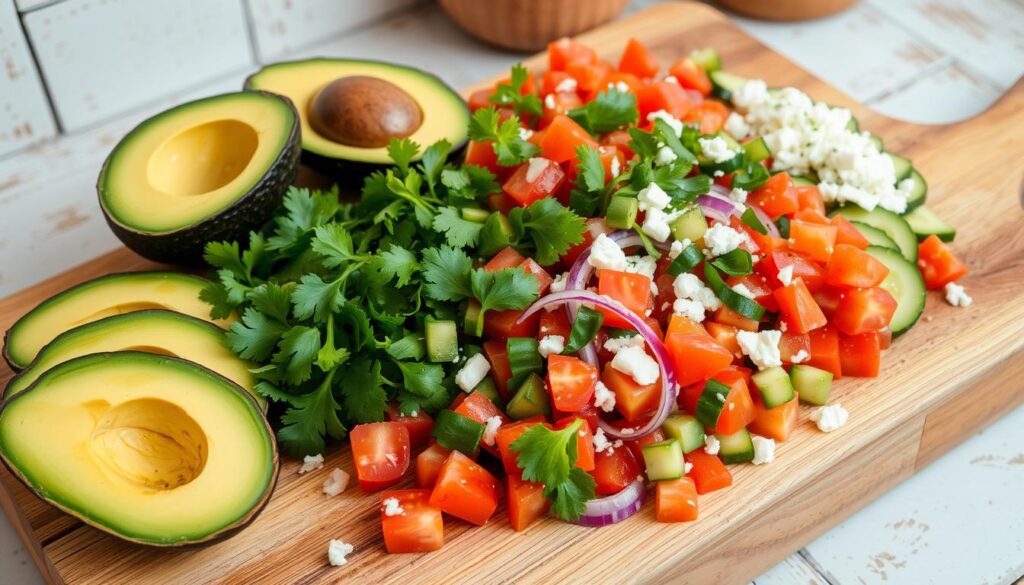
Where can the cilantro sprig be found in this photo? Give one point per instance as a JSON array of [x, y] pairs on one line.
[[548, 457], [509, 146]]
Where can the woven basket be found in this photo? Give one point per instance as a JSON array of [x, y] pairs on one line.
[[787, 9]]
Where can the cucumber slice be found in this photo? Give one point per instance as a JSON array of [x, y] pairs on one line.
[[878, 142], [811, 384], [905, 284], [757, 150], [489, 388], [924, 222], [473, 323], [496, 234], [853, 125], [875, 236], [686, 429], [530, 399], [664, 460], [475, 214], [737, 447], [774, 385], [622, 212], [457, 432], [723, 84], [802, 181], [691, 225], [893, 225], [707, 59], [901, 165], [919, 193], [442, 339]]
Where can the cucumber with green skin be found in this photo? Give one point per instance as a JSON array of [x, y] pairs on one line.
[[892, 224], [924, 222], [812, 384], [905, 284], [664, 460], [737, 447], [875, 236]]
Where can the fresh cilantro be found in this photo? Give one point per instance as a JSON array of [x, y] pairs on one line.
[[548, 457], [737, 262], [310, 417], [255, 336], [458, 232], [469, 183], [422, 387], [509, 288], [551, 228], [403, 152], [447, 274], [667, 136], [610, 110], [297, 351], [432, 163], [364, 396], [398, 263], [591, 168], [510, 148], [512, 94]]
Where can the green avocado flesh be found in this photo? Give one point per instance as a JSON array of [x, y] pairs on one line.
[[152, 331], [104, 297], [152, 449]]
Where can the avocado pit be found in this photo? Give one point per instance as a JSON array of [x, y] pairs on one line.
[[364, 111]]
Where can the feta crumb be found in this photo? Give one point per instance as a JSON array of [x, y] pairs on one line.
[[665, 156], [337, 551], [957, 296], [635, 362], [620, 86], [711, 444], [535, 167], [687, 467], [549, 101], [617, 344], [644, 265], [800, 357], [751, 93], [786, 275], [604, 253], [762, 347], [722, 239], [550, 344], [736, 126], [525, 133], [739, 195], [672, 79], [603, 397], [653, 197], [336, 482], [566, 85], [472, 373], [656, 225], [764, 450], [675, 123], [718, 173], [491, 430], [615, 167], [717, 149], [688, 286], [829, 418], [311, 463], [558, 284], [689, 308], [602, 444], [742, 289], [677, 248], [392, 507]]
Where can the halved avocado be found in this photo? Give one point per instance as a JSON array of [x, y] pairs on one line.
[[152, 331], [209, 170], [351, 108], [103, 297], [152, 449]]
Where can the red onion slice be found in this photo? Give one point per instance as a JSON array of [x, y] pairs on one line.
[[668, 375], [773, 230], [615, 508], [716, 208]]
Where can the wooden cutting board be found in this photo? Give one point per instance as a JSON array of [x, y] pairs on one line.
[[955, 372]]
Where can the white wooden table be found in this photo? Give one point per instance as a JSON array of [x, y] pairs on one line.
[[929, 61]]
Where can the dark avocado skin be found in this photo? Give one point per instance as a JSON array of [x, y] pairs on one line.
[[249, 212]]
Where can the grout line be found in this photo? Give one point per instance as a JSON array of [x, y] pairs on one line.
[[820, 570], [58, 125], [42, 5], [931, 69], [250, 32]]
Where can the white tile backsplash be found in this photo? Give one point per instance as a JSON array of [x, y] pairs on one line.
[[25, 116]]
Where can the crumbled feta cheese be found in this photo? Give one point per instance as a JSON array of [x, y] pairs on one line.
[[738, 195], [829, 418], [752, 93], [311, 463], [736, 126], [619, 86], [675, 123], [491, 430], [558, 284], [603, 397], [472, 373], [672, 79], [782, 326], [604, 253], [722, 239], [717, 149], [566, 85], [549, 101], [336, 482], [653, 197], [392, 507], [525, 133], [800, 356], [761, 347], [711, 444], [602, 444], [656, 225], [617, 344], [635, 362], [688, 286], [689, 308], [786, 275], [615, 167], [535, 167], [550, 344], [337, 551], [742, 289], [664, 156], [764, 450], [718, 173], [645, 265], [676, 248], [957, 296]]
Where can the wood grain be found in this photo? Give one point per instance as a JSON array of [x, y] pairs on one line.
[[769, 512]]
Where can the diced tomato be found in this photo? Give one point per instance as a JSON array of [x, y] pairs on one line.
[[884, 338], [776, 423], [864, 309], [588, 77], [637, 445], [501, 202], [571, 381], [419, 527], [691, 76], [507, 435], [428, 465], [776, 197], [696, 357], [809, 197], [727, 316], [663, 95], [851, 267], [526, 501], [759, 286], [938, 265], [561, 139], [791, 344], [738, 410], [711, 115], [825, 350], [675, 500], [811, 216], [708, 472], [496, 352], [533, 180], [816, 240], [614, 469], [847, 233], [620, 139], [828, 298], [860, 355], [552, 80], [584, 442], [812, 273], [632, 400], [636, 59], [588, 413], [529, 84], [380, 453], [508, 257], [504, 324], [680, 324], [554, 323], [419, 425], [477, 406], [797, 308], [480, 98], [555, 104], [482, 154], [544, 279], [615, 78], [725, 335], [630, 289], [465, 490], [565, 50]]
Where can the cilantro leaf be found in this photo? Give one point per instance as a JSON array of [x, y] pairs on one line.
[[297, 350], [224, 255], [553, 229], [303, 211], [509, 146], [433, 161], [403, 152], [668, 137], [317, 299], [410, 347], [334, 243], [255, 336], [447, 274], [309, 418], [511, 94], [271, 299], [422, 386], [364, 396], [399, 263], [216, 296], [609, 110], [548, 457], [569, 498], [469, 183], [458, 232], [591, 169], [509, 288]]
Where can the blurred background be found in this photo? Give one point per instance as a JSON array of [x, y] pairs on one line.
[[75, 75]]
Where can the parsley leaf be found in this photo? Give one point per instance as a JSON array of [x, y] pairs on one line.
[[458, 232], [611, 109], [512, 94], [509, 146], [447, 274], [549, 457]]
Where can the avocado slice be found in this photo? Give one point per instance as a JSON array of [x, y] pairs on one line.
[[353, 98], [209, 170], [152, 449], [151, 331], [102, 297]]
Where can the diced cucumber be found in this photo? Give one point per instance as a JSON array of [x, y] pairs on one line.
[[691, 225], [901, 165], [919, 193], [457, 432], [924, 222], [774, 385], [893, 225], [475, 214], [622, 212], [442, 339], [711, 402], [496, 235], [737, 447], [802, 181], [686, 429], [523, 354], [723, 84], [707, 59], [473, 322], [878, 142], [757, 150], [530, 399], [875, 236], [905, 284], [812, 384], [664, 460], [489, 388], [853, 125]]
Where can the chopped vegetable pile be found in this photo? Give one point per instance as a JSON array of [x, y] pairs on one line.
[[632, 277]]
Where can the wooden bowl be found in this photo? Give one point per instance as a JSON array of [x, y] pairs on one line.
[[529, 25], [787, 9]]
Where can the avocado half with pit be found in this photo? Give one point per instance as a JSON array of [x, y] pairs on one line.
[[152, 449], [100, 298], [351, 109], [209, 170], [151, 331]]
